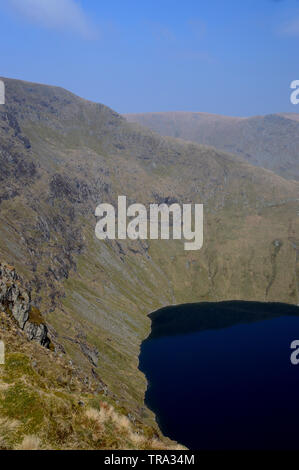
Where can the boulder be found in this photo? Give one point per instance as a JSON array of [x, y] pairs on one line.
[[16, 301]]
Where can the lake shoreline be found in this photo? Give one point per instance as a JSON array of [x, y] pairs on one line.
[[175, 330]]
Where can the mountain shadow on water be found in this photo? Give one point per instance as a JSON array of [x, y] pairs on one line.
[[220, 375], [190, 318]]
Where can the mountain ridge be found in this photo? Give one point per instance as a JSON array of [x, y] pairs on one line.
[[60, 157], [269, 141]]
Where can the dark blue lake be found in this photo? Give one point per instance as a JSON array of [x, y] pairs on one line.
[[220, 375]]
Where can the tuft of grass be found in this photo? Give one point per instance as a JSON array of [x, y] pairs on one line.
[[35, 316], [7, 433], [29, 443]]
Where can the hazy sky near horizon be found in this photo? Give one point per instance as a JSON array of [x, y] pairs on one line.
[[229, 57]]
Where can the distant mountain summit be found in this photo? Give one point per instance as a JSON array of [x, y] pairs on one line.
[[270, 141]]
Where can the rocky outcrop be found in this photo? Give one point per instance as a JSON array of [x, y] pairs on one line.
[[90, 352], [16, 301], [64, 187], [37, 333]]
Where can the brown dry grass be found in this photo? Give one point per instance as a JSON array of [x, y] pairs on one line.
[[29, 443]]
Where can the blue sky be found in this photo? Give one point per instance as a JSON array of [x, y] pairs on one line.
[[221, 56]]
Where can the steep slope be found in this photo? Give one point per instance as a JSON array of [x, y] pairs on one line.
[[270, 141], [60, 157], [47, 403]]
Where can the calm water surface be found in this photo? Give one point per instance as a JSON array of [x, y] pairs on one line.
[[220, 375]]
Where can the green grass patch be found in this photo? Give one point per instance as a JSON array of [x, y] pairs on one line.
[[23, 404]]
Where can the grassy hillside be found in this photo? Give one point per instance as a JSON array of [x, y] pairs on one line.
[[46, 403], [270, 141], [60, 157]]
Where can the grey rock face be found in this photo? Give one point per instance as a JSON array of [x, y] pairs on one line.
[[37, 333], [20, 307], [17, 301], [92, 354], [74, 190], [12, 296]]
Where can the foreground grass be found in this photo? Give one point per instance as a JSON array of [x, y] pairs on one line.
[[45, 403]]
